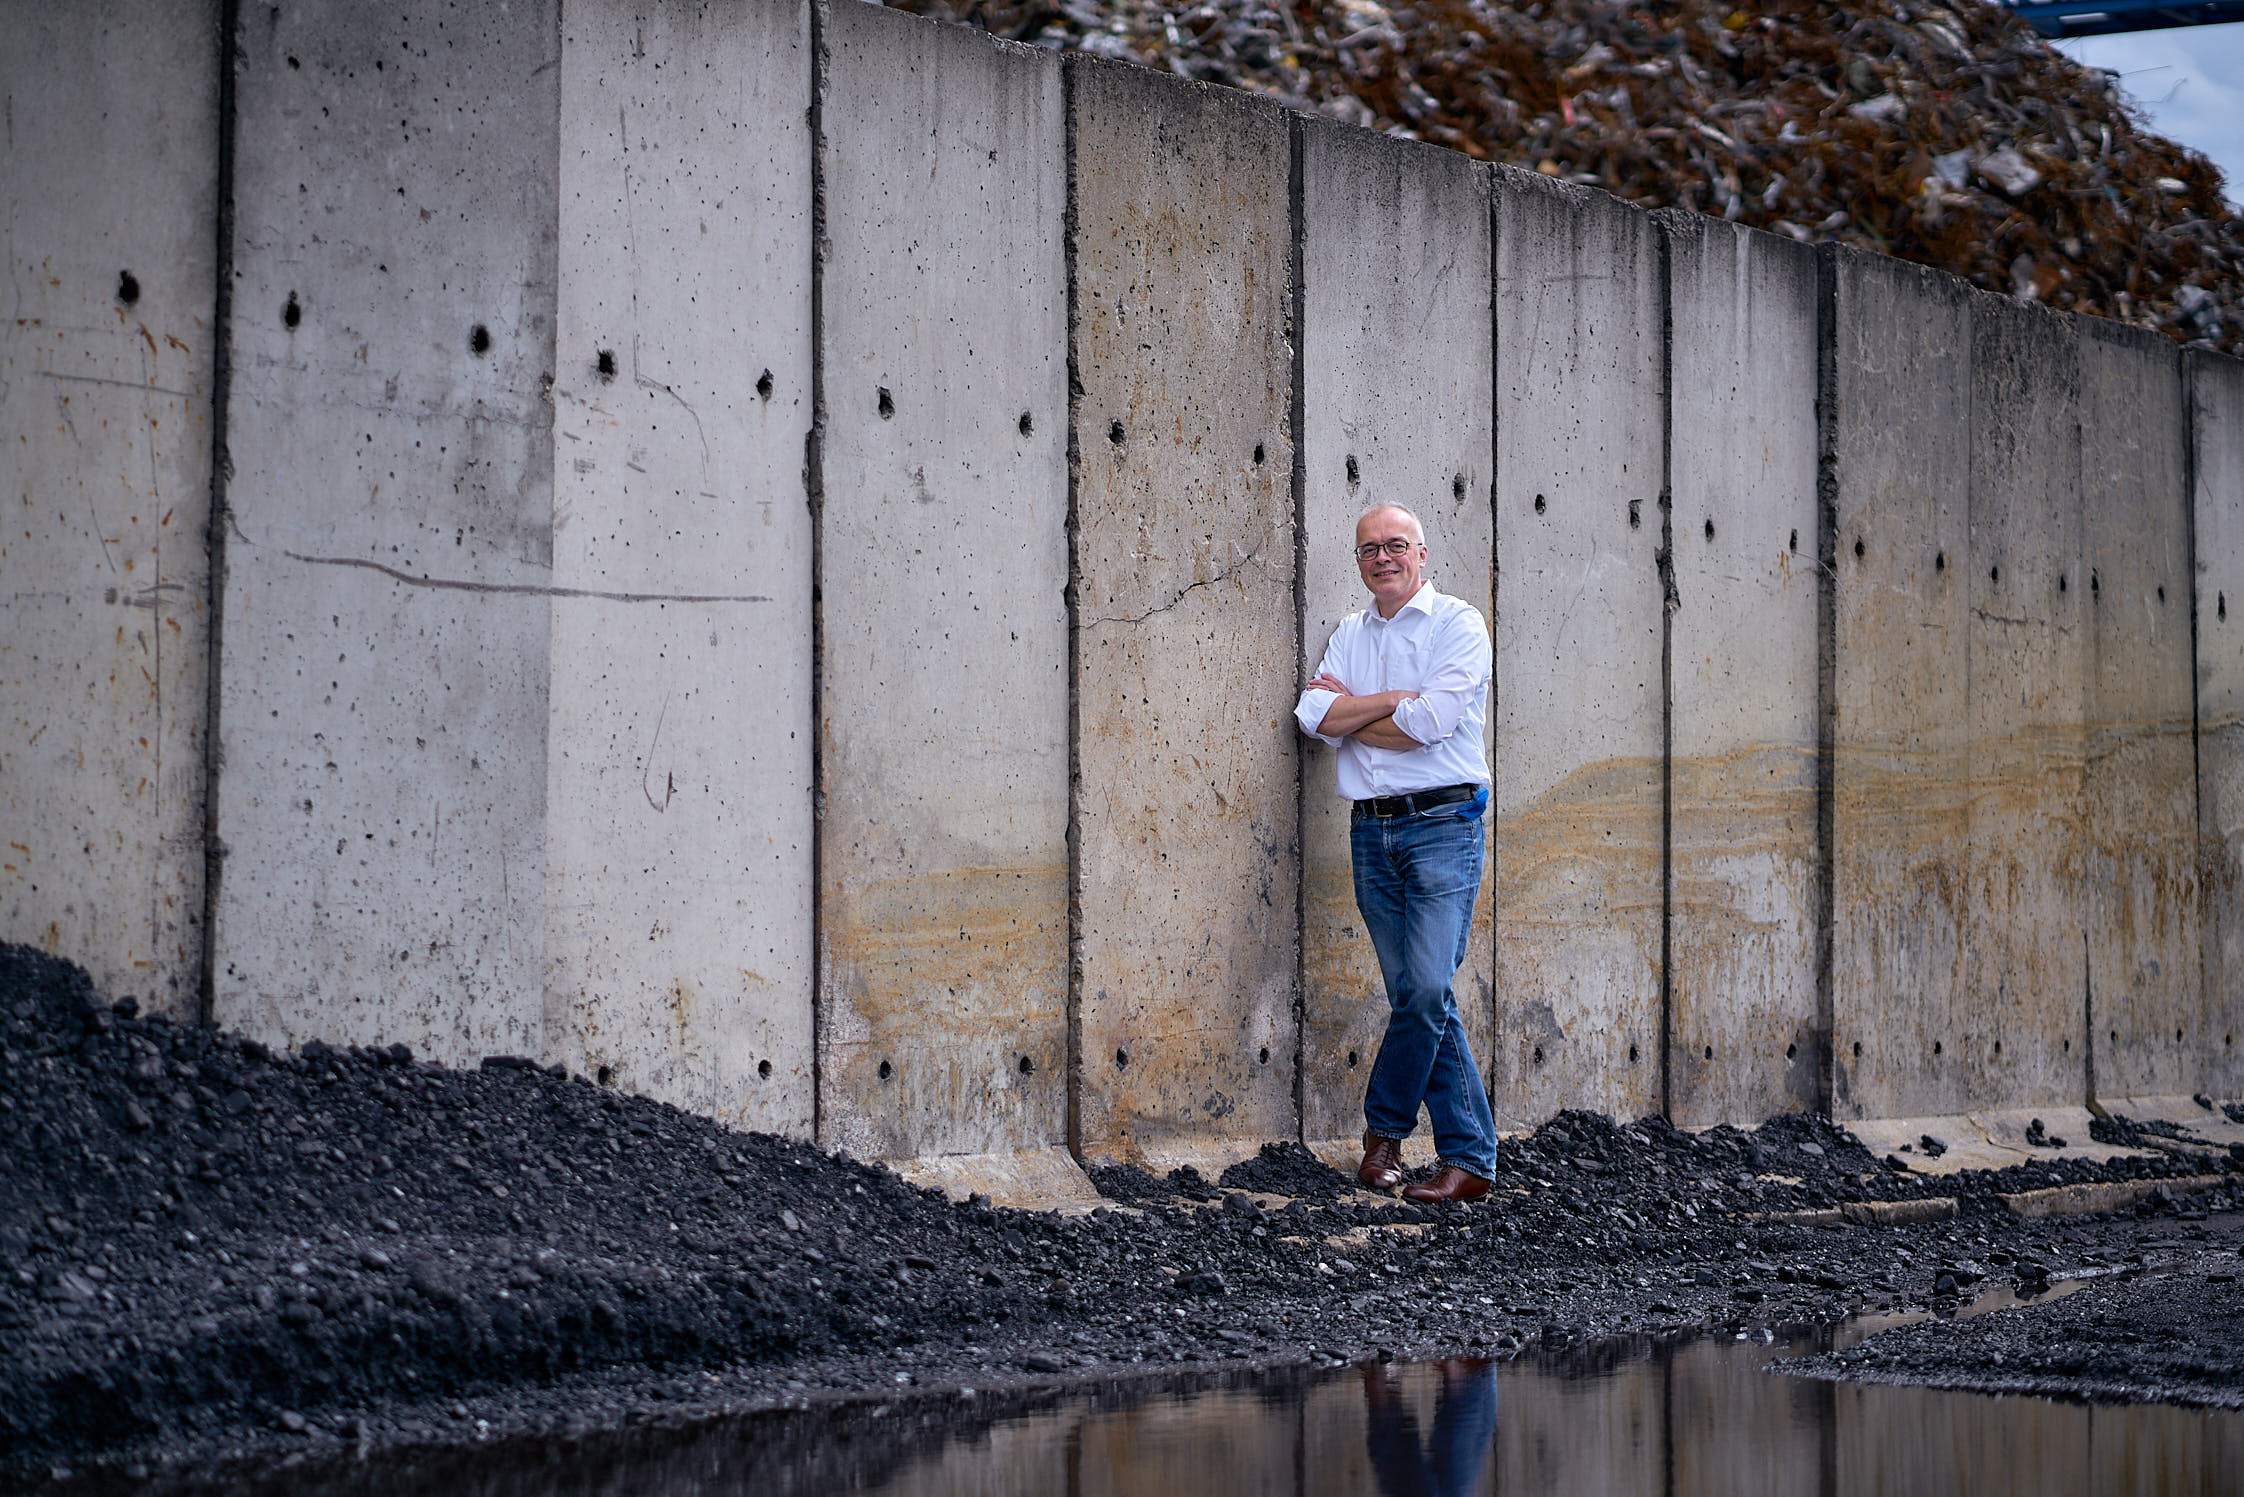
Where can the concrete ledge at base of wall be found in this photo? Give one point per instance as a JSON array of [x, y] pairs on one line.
[[2101, 1198], [1025, 1179], [1986, 1140]]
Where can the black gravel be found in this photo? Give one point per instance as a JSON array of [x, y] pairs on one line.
[[2167, 1327], [1287, 1169], [209, 1252]]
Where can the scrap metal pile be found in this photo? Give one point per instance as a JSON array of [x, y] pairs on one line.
[[1949, 135]]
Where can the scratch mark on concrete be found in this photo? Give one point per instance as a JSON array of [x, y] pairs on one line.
[[646, 766], [520, 589], [118, 384]]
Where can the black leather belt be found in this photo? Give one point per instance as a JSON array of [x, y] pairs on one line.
[[1421, 800]]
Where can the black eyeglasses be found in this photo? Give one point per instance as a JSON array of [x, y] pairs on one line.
[[1398, 547]]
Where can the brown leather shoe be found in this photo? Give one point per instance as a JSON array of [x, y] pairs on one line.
[[1382, 1166], [1449, 1184]]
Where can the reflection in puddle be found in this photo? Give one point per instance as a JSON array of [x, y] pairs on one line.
[[1629, 1417]]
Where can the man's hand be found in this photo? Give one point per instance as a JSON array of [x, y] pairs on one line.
[[1323, 682]]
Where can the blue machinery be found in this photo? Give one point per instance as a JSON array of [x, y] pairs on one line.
[[2125, 15]]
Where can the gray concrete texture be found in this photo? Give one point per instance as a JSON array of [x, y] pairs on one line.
[[1744, 1037], [2139, 874], [1185, 796], [1397, 371], [943, 572], [2015, 1033], [108, 191], [382, 677], [1579, 695], [677, 910], [1901, 437], [2216, 395]]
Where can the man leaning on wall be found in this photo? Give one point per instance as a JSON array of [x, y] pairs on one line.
[[1402, 693]]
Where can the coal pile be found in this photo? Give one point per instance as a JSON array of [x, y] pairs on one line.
[[1950, 135], [209, 1250]]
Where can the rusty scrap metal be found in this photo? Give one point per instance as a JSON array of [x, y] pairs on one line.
[[1950, 135]]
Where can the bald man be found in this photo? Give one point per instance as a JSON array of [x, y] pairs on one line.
[[1402, 693]]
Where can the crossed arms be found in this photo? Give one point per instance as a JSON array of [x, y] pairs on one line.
[[1367, 719]]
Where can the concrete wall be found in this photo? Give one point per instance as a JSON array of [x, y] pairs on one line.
[[1579, 695], [108, 194], [1900, 437], [2139, 877], [1186, 815], [943, 573], [1397, 365], [1744, 1035], [2014, 1032], [678, 830], [535, 589], [2216, 394], [382, 676]]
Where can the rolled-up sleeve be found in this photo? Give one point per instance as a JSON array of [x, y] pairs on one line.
[[1457, 669], [1310, 711]]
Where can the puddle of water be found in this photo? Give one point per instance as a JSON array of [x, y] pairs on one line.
[[1608, 1419]]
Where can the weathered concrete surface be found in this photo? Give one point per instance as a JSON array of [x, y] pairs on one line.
[[1578, 620], [1187, 828], [678, 832], [110, 180], [1901, 436], [2019, 1037], [1744, 1039], [1710, 1387], [383, 666], [944, 555], [1397, 408], [1046, 1179], [2139, 878], [2216, 386]]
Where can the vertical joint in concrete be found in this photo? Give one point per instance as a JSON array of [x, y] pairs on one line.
[[1074, 631], [1827, 666], [1495, 597], [221, 464], [1672, 599], [814, 492], [1296, 416]]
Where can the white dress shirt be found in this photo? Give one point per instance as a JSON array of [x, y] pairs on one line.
[[1435, 645]]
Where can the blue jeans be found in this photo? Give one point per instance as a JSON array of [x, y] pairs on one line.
[[1416, 878]]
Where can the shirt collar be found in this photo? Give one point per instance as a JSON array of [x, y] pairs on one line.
[[1421, 600]]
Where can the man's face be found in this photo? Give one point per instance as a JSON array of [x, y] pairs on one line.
[[1391, 578]]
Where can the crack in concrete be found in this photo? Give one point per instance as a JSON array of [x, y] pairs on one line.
[[1237, 566], [521, 589]]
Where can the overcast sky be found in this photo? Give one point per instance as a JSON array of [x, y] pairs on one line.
[[2190, 79]]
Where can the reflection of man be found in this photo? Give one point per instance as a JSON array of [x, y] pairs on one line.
[[1402, 693], [1464, 1431]]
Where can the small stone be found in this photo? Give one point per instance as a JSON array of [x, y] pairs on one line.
[[137, 1119], [1814, 1150], [1037, 1361], [292, 1421], [374, 1258], [1239, 1203], [790, 1221]]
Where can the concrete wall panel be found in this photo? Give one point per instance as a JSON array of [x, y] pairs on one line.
[[1397, 407], [1744, 1039], [383, 666], [1185, 796], [1901, 437], [943, 1021], [2140, 873], [110, 177], [678, 834], [2018, 1036], [1578, 622], [2216, 386]]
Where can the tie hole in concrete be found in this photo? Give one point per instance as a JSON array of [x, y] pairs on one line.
[[886, 404], [1121, 1060], [886, 1070], [763, 1070], [128, 287], [1028, 1067], [292, 313], [1116, 434], [1028, 424], [479, 340], [1540, 504], [1355, 474], [605, 365], [763, 385]]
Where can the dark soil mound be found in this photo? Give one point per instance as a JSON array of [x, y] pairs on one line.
[[1287, 1169], [1950, 135]]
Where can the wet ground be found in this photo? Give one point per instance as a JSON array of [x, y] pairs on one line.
[[1629, 1416], [212, 1257]]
